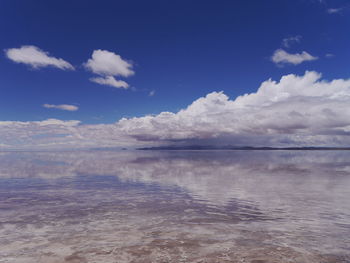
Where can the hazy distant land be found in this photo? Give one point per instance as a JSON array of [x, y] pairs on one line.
[[200, 147]]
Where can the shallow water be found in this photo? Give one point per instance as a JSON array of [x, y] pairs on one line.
[[175, 206]]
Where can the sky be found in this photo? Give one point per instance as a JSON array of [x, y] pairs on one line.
[[132, 73]]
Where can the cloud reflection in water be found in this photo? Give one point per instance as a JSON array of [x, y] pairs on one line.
[[298, 199]]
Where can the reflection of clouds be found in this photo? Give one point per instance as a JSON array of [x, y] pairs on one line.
[[33, 165], [273, 178], [307, 191], [300, 184]]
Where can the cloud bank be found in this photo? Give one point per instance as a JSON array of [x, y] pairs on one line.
[[295, 111], [36, 58], [109, 65], [283, 57], [298, 109]]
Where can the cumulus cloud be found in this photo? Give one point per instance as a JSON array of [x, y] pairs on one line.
[[36, 58], [110, 81], [66, 107], [294, 111], [288, 41], [108, 65], [280, 56]]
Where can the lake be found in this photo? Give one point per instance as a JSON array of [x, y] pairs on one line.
[[175, 206]]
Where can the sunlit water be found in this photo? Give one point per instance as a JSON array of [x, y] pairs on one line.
[[175, 206]]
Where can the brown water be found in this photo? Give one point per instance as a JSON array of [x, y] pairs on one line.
[[175, 206]]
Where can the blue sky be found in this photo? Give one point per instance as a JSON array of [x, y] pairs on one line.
[[179, 51]]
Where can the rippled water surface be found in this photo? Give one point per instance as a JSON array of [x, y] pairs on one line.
[[175, 206]]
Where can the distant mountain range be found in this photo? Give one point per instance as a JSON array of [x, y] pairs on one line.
[[228, 147]]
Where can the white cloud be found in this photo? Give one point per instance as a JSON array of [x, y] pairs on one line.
[[55, 122], [329, 55], [48, 122], [151, 93], [106, 63], [110, 81], [282, 57], [36, 58], [334, 10], [66, 107], [295, 111], [32, 134], [288, 41], [57, 134]]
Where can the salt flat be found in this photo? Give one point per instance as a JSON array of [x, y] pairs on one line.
[[175, 206]]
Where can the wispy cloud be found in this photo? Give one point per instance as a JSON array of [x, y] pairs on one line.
[[36, 58], [334, 10], [48, 122], [110, 81], [66, 107], [288, 41], [151, 93], [281, 56]]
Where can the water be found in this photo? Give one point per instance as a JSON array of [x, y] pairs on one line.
[[175, 206]]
